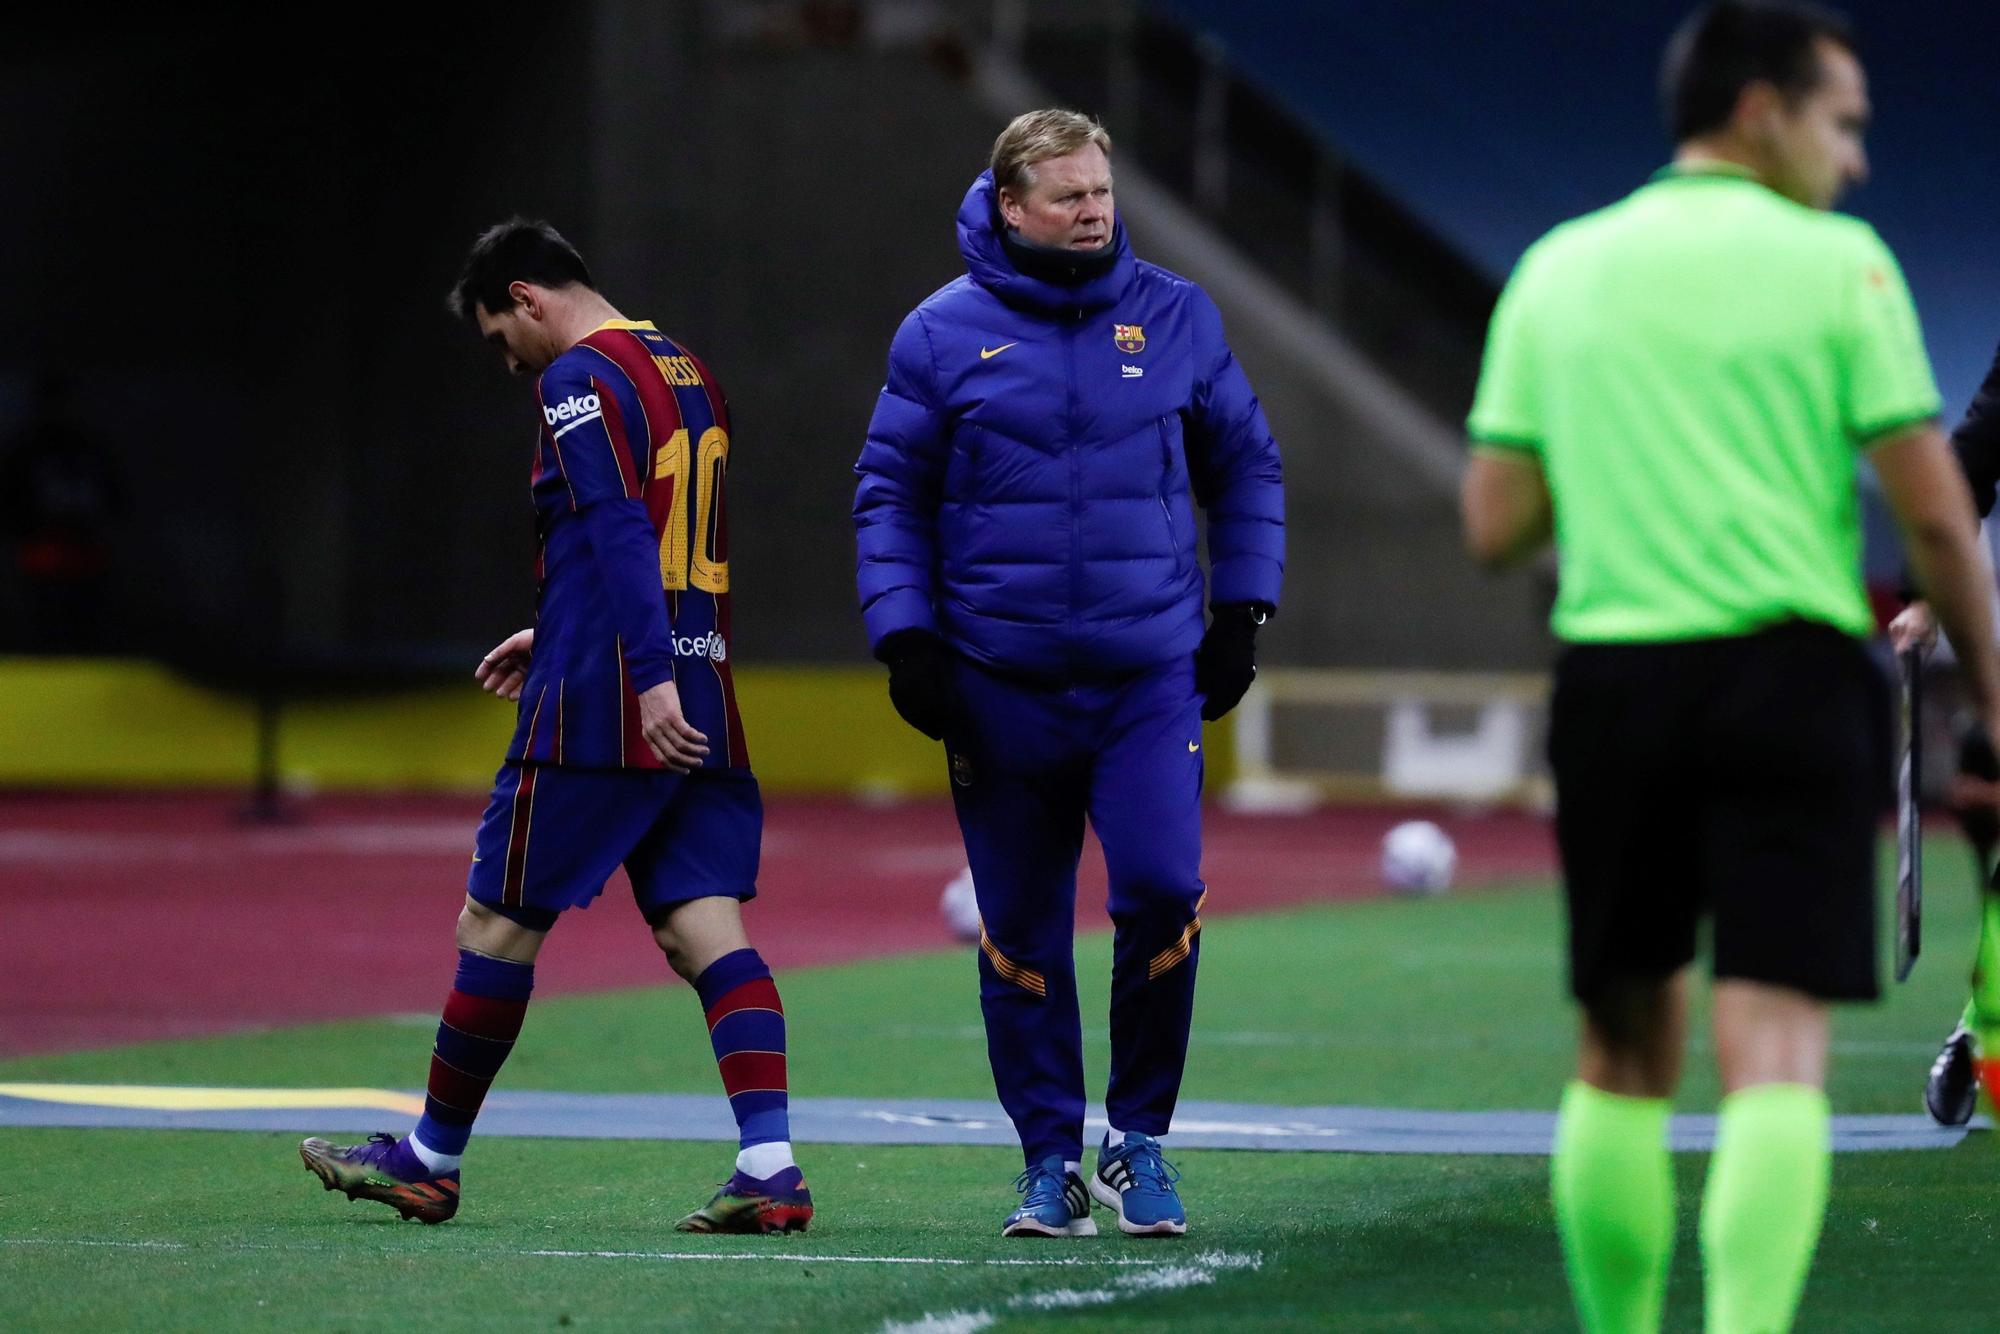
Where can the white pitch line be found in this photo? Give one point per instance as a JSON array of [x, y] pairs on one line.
[[1166, 1276], [117, 1245], [800, 1258], [1119, 1263], [951, 1322]]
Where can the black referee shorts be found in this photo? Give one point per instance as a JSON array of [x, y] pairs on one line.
[[1741, 778]]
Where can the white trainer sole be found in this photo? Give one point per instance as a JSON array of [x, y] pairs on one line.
[[1029, 1227], [1114, 1201]]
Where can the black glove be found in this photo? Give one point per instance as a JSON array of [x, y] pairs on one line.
[[1977, 760], [1226, 662], [920, 680]]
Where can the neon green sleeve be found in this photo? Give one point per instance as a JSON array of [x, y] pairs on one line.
[[1886, 380], [1506, 409]]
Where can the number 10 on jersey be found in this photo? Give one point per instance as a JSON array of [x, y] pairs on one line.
[[699, 566]]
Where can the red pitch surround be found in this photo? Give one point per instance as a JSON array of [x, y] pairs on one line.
[[131, 918]]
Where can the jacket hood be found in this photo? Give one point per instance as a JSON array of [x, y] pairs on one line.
[[986, 260]]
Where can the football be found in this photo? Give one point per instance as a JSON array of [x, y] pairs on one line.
[[959, 907], [1418, 858]]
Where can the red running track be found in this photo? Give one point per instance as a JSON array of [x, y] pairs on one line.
[[128, 918]]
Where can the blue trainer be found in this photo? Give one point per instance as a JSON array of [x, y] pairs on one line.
[[1054, 1203], [1137, 1182]]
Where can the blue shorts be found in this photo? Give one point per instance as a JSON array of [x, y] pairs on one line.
[[552, 836]]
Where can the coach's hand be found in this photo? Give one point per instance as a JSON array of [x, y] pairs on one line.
[[505, 670], [920, 680], [1226, 662], [667, 729]]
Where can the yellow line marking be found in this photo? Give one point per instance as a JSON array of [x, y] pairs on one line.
[[173, 1098]]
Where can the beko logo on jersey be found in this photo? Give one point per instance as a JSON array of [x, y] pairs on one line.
[[710, 646], [576, 405]]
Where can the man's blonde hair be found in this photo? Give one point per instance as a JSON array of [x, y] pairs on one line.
[[1037, 136]]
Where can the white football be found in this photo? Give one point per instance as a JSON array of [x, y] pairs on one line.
[[1418, 858], [959, 907]]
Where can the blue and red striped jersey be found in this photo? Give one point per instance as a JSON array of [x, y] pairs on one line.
[[632, 569]]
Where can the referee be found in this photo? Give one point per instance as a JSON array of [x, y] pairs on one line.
[[1678, 388]]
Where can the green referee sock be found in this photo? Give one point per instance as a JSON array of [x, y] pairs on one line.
[[1766, 1199], [1613, 1184], [1982, 1012]]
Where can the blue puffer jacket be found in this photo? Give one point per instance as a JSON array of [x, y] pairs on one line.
[[1027, 483]]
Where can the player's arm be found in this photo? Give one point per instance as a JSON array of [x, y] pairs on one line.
[[1236, 473], [901, 480], [627, 551], [1503, 503], [1976, 442], [1933, 508], [601, 473]]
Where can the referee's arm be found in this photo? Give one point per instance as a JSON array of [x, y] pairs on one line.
[[1503, 502], [1932, 504]]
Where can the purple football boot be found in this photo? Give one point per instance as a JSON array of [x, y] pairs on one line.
[[384, 1169], [776, 1203]]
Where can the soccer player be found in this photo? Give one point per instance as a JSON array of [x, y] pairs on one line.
[[1027, 570], [628, 748], [1679, 389], [1971, 1054]]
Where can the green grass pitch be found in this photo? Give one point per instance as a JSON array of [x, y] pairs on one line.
[[1453, 1003]]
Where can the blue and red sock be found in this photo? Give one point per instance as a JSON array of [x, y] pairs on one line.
[[746, 1026], [482, 1017]]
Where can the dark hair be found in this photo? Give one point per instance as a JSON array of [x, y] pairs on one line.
[[519, 250], [1723, 47]]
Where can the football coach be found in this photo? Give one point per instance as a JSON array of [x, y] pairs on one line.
[[1028, 572]]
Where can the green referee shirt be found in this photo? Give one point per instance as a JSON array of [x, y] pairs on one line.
[[1695, 369]]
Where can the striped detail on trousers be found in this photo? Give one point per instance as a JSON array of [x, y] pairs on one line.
[[1023, 977], [1176, 954]]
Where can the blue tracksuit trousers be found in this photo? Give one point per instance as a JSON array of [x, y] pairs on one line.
[[1029, 764]]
